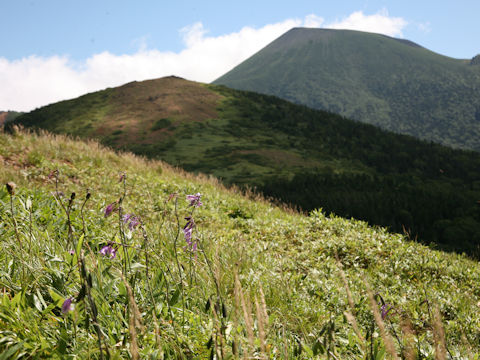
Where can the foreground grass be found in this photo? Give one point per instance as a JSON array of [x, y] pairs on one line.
[[263, 282]]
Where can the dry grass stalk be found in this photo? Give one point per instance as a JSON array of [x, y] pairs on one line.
[[264, 306], [386, 337], [353, 322], [261, 329], [467, 346], [219, 350], [350, 315], [439, 336], [133, 337], [345, 284], [409, 352], [134, 321], [246, 314], [237, 313]]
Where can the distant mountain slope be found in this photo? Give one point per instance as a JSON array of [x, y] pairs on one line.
[[306, 157], [6, 116], [392, 83]]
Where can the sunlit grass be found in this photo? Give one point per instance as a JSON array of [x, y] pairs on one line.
[[264, 282]]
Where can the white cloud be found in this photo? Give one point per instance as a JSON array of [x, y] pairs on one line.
[[380, 22], [35, 81], [424, 27], [313, 21]]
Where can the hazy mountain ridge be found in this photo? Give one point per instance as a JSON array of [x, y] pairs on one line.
[[306, 157], [393, 83], [6, 116]]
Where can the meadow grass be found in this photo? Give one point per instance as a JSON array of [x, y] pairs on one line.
[[236, 277]]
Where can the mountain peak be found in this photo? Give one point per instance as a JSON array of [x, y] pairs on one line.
[[388, 82]]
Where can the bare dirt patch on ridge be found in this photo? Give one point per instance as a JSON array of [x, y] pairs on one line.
[[136, 106]]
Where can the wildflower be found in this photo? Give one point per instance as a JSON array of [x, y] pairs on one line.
[[110, 208], [195, 200], [123, 176], [132, 221], [188, 229], [71, 252], [171, 196], [108, 250], [385, 309], [187, 233], [67, 305]]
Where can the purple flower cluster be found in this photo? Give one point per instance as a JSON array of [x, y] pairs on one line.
[[194, 200], [132, 221], [187, 233], [111, 208], [109, 251], [67, 305], [385, 309]]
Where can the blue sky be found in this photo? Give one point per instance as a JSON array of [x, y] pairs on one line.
[[56, 49]]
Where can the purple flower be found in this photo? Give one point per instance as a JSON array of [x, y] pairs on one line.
[[188, 229], [67, 305], [194, 200], [110, 208], [71, 252], [109, 250], [132, 219], [133, 223], [187, 233], [126, 217], [385, 309]]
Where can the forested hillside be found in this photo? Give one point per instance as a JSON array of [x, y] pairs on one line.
[[308, 158]]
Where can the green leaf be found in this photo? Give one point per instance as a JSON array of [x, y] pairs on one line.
[[7, 354], [174, 298], [79, 245]]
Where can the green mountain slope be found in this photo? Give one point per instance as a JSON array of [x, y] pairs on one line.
[[392, 83], [309, 158], [62, 298]]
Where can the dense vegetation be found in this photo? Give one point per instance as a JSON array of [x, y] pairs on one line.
[[78, 279], [309, 158], [392, 83]]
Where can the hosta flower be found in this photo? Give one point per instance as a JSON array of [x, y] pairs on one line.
[[194, 200], [67, 305], [109, 251]]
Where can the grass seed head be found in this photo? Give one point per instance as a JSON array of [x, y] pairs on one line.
[[11, 187]]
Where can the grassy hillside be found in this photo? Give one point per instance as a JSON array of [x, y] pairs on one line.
[[312, 159], [392, 83], [253, 281]]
